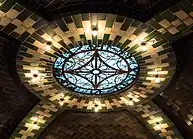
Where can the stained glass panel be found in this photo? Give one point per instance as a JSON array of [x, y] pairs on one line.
[[96, 70]]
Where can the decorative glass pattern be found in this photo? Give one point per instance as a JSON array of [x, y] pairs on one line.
[[96, 70]]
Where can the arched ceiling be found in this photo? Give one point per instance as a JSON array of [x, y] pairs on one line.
[[79, 125], [158, 61]]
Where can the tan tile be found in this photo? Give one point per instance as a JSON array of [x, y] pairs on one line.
[[173, 30], [165, 23], [181, 14], [191, 14], [20, 30], [1, 13], [28, 22], [176, 23], [5, 21], [31, 30], [188, 21], [162, 30], [132, 37], [12, 14], [16, 22]]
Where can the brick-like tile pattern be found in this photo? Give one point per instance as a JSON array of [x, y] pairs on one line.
[[157, 121], [176, 21], [34, 32], [36, 121], [68, 32], [15, 100], [81, 125], [179, 98]]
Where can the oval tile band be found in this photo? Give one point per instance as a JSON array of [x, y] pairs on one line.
[[65, 36]]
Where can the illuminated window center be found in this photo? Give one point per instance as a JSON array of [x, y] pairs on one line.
[[96, 70]]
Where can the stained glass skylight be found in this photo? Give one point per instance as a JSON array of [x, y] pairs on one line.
[[96, 70]]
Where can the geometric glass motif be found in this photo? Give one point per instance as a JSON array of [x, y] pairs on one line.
[[96, 70]]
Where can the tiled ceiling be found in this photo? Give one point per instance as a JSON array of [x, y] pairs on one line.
[[112, 125], [157, 62], [52, 9]]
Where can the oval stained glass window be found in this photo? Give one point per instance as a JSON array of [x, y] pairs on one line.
[[96, 70]]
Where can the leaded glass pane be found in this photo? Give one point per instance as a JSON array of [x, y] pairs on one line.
[[96, 70]]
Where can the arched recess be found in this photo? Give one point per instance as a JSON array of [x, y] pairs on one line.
[[45, 112]]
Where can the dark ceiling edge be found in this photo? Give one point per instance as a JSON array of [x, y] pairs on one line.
[[161, 5], [37, 9], [183, 59], [181, 125], [116, 9], [96, 7], [10, 52]]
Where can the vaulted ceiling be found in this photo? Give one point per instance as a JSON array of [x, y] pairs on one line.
[[34, 105]]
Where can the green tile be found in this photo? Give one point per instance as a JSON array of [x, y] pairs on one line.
[[85, 16], [102, 16], [62, 25], [158, 18], [39, 23], [110, 21], [125, 43], [136, 23], [40, 32], [186, 6], [83, 37], [18, 7], [106, 38], [149, 29], [181, 27], [175, 9], [7, 5], [51, 55], [126, 24], [25, 54], [120, 18], [116, 40], [178, 36], [38, 38], [68, 19], [24, 15], [35, 17], [138, 31], [154, 24], [151, 35], [161, 42], [24, 49], [47, 29], [168, 36], [134, 47], [168, 15], [100, 41], [9, 28], [165, 51], [24, 36], [77, 21], [14, 35]]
